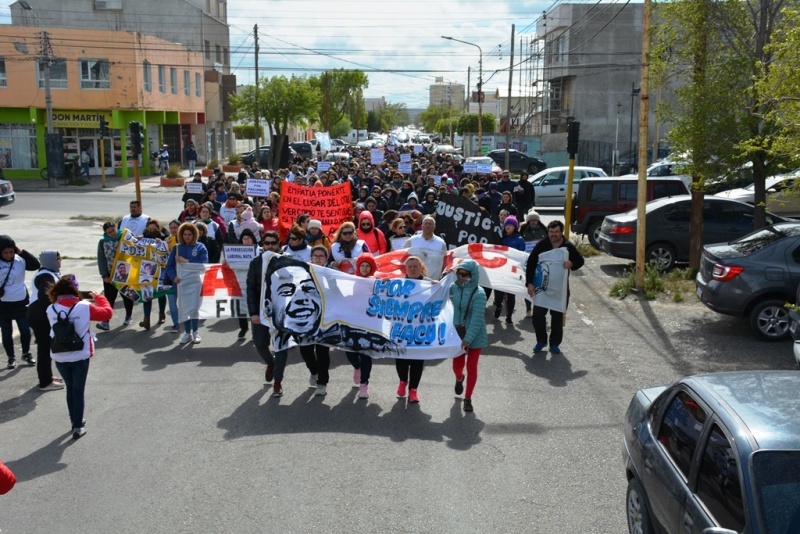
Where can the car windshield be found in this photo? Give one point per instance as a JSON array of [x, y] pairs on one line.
[[776, 480], [759, 239], [769, 182]]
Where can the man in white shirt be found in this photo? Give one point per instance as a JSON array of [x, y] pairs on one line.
[[428, 241], [136, 222]]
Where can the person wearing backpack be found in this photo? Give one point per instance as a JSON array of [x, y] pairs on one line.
[[72, 344]]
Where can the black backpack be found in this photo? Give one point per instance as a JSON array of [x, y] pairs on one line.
[[65, 338]]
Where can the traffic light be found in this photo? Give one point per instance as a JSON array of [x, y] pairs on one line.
[[573, 129], [103, 127], [136, 137]]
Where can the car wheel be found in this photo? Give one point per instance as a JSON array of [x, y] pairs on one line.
[[533, 168], [769, 320], [593, 233], [637, 510], [661, 255]]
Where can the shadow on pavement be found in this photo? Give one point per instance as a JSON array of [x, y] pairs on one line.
[[263, 415], [42, 462], [21, 406]]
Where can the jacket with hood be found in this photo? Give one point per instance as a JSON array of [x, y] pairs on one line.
[[470, 294], [375, 240], [12, 274], [408, 206], [44, 278], [235, 227], [366, 257]]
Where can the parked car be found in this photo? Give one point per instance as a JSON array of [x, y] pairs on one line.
[[337, 144], [447, 149], [303, 149], [550, 185], [715, 454], [667, 238], [794, 327], [782, 196], [597, 198], [517, 161], [338, 156], [7, 195], [754, 277], [484, 160], [664, 169], [248, 158]]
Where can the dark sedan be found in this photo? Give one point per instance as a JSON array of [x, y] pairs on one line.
[[754, 277], [7, 195], [249, 158], [715, 454], [517, 161], [667, 239]]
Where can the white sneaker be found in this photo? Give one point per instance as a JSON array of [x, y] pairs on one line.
[[322, 390], [195, 337], [127, 321], [312, 381], [363, 391], [52, 386], [185, 338]]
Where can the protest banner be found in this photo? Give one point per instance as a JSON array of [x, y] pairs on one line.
[[239, 253], [484, 168], [405, 157], [460, 221], [212, 291], [551, 280], [404, 168], [375, 156], [470, 167], [330, 205], [194, 187], [324, 140], [417, 149], [391, 264], [323, 166], [398, 242], [402, 318], [501, 268], [139, 267], [257, 187]]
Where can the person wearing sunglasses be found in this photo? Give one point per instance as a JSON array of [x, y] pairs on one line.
[[469, 302], [347, 248], [261, 334], [298, 246], [373, 237]]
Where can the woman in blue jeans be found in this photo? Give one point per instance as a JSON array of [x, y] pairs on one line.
[[14, 298], [188, 250], [74, 365]]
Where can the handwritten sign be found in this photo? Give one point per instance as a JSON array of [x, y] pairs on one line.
[[376, 156], [405, 157], [404, 168], [239, 253], [323, 166], [484, 168], [257, 187], [194, 187], [330, 205], [470, 167]]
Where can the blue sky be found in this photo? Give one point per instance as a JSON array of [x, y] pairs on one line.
[[311, 36]]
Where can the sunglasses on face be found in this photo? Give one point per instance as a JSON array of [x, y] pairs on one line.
[[295, 238], [347, 233], [270, 243]]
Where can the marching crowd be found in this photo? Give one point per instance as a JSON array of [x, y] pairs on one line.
[[390, 210]]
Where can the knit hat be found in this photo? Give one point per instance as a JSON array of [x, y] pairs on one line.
[[314, 223], [511, 220], [247, 214], [532, 216]]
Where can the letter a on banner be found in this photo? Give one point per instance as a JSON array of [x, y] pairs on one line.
[[213, 281]]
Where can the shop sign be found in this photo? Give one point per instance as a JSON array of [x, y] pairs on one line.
[[79, 119]]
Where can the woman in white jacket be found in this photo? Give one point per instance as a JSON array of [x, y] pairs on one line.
[[74, 365]]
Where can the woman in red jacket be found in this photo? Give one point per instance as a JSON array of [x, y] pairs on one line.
[[374, 238]]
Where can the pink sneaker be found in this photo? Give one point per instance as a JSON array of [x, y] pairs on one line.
[[401, 389], [412, 396], [356, 377], [363, 391]]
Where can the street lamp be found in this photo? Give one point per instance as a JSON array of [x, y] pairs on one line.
[[480, 90], [48, 100]]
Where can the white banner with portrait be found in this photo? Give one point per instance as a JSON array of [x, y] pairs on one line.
[[552, 280], [399, 318]]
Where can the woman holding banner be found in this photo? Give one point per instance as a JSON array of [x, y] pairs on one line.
[[410, 371], [469, 302], [188, 250], [106, 249], [362, 364], [346, 248], [153, 231]]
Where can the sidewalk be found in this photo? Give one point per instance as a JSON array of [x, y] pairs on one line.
[[148, 183]]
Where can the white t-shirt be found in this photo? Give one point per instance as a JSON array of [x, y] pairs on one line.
[[136, 225], [434, 243]]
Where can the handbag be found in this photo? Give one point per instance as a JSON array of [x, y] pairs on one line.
[[461, 329]]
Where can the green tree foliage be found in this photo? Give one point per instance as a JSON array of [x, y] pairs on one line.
[[342, 95], [385, 118], [248, 131], [281, 102], [718, 51], [341, 128], [468, 123], [431, 116]]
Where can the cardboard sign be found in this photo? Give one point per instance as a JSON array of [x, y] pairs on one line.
[[404, 168], [194, 187], [257, 188], [323, 166], [239, 253], [484, 168], [376, 156], [405, 157], [470, 167], [417, 149]]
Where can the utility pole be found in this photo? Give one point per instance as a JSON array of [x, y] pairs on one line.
[[644, 109], [508, 103], [255, 97], [327, 118]]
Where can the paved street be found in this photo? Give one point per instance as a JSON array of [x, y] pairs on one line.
[[187, 439]]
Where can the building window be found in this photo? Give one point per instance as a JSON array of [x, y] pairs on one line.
[[555, 96], [147, 76], [559, 49], [19, 146], [58, 73], [208, 50], [219, 53], [95, 74], [3, 79], [162, 79], [187, 83], [226, 56], [173, 80], [198, 83]]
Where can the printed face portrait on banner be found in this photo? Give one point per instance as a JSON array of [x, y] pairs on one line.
[[293, 299], [121, 271]]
